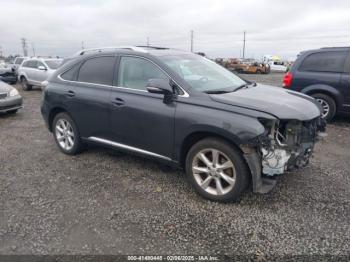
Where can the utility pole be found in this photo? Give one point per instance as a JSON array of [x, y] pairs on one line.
[[24, 46], [192, 41], [82, 45], [0, 51], [243, 44], [33, 48], [147, 41]]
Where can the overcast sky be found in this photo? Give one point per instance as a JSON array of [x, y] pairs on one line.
[[273, 27]]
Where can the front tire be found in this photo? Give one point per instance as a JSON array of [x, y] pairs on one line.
[[66, 134], [328, 105], [25, 85], [217, 170]]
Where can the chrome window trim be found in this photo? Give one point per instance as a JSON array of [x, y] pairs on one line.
[[130, 148], [185, 94]]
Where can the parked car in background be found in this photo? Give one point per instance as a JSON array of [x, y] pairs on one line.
[[325, 75], [7, 74], [17, 63], [10, 99], [277, 66], [185, 110], [34, 71], [250, 68]]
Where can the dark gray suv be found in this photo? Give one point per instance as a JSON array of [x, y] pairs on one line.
[[325, 75], [184, 110]]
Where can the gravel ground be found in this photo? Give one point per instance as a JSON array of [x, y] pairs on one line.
[[104, 202]]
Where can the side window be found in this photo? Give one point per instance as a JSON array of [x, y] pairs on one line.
[[31, 64], [98, 70], [71, 74], [324, 62], [34, 64], [347, 64], [135, 72], [40, 64]]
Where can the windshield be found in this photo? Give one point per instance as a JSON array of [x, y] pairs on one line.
[[201, 73], [53, 64]]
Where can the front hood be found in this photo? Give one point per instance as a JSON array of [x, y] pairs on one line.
[[4, 88], [276, 101]]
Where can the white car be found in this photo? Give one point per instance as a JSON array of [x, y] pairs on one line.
[[34, 71], [277, 66]]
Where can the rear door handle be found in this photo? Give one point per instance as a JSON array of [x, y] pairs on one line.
[[70, 93], [118, 102]]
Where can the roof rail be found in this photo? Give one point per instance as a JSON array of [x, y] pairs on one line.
[[100, 49], [329, 47], [153, 47]]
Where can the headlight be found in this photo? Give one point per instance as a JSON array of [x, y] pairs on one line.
[[13, 92]]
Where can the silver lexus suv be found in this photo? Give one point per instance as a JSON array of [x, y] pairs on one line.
[[34, 71]]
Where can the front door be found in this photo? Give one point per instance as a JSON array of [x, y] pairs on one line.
[[141, 120], [41, 74]]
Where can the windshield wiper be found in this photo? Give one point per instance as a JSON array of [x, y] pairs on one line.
[[245, 85], [227, 90], [218, 91]]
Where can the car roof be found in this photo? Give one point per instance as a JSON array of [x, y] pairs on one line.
[[340, 48], [144, 50]]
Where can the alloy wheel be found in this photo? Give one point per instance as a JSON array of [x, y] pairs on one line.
[[213, 171], [64, 134], [325, 107]]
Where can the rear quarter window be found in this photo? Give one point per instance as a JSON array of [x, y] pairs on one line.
[[347, 64], [332, 61], [97, 70]]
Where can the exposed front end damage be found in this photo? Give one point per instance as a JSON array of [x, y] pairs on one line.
[[284, 146]]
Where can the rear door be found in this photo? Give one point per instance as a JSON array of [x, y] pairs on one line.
[[31, 71], [323, 67], [86, 94], [345, 83]]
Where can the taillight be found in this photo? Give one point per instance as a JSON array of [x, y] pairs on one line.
[[287, 80]]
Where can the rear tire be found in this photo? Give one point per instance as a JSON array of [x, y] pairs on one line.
[[328, 104], [217, 170], [25, 85], [66, 134]]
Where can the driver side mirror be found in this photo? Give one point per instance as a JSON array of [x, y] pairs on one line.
[[42, 68], [161, 86]]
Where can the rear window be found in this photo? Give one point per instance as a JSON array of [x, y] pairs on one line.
[[98, 70], [324, 62]]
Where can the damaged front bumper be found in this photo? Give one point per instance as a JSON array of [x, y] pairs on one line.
[[285, 145]]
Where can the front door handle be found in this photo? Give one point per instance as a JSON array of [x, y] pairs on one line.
[[118, 102], [70, 93]]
